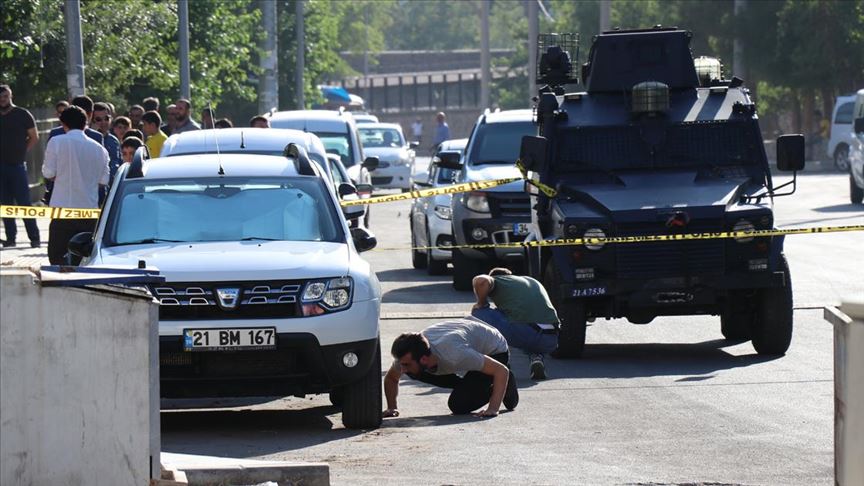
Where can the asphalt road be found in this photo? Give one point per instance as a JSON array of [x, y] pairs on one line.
[[664, 403]]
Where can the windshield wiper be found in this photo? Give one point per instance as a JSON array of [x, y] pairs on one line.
[[148, 240], [258, 238]]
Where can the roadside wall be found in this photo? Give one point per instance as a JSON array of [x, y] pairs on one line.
[[80, 385]]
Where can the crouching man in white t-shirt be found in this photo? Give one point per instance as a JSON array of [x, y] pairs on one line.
[[466, 355]]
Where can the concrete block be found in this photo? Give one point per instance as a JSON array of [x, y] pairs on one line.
[[213, 471]]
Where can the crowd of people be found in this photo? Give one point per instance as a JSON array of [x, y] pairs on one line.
[[90, 135]]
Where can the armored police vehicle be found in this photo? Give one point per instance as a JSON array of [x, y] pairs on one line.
[[655, 146]]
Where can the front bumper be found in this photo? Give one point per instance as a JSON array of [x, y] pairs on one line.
[[392, 177], [440, 234], [666, 296], [298, 366], [498, 231]]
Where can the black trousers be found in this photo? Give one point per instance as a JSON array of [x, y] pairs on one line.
[[60, 232], [471, 391]]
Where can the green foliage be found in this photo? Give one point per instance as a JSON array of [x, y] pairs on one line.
[[434, 25]]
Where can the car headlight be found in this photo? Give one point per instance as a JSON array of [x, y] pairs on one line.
[[477, 202], [330, 295], [744, 225], [594, 233], [400, 162], [443, 212]]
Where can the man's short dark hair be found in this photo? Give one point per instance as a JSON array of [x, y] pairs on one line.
[[223, 123], [63, 103], [136, 107], [5, 88], [133, 133], [74, 118], [207, 111], [500, 271], [258, 118], [151, 103], [410, 342], [133, 142], [121, 120], [185, 102], [84, 102], [100, 106], [152, 117]]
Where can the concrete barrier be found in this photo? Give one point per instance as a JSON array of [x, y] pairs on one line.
[[80, 384], [848, 324]]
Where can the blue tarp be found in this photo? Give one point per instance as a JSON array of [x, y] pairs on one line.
[[336, 93]]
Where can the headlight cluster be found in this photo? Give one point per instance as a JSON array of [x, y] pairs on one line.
[[327, 296], [594, 233], [744, 225], [444, 212], [477, 202]]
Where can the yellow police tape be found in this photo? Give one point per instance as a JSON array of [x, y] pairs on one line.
[[46, 212], [436, 191], [642, 239]]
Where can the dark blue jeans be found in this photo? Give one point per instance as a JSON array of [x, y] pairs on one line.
[[518, 335], [15, 190]]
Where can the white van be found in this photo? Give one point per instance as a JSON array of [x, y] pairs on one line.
[[841, 132]]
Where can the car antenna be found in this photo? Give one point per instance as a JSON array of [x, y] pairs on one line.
[[216, 139], [242, 140]]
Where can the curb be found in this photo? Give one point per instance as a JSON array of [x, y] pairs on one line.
[[213, 471]]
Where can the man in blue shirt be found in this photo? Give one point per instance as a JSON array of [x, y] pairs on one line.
[[101, 121], [442, 130]]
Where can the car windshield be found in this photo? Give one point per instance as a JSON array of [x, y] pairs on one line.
[[381, 137], [223, 209], [339, 144], [681, 145], [499, 143]]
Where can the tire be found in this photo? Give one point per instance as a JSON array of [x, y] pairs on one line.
[[337, 396], [772, 326], [736, 321], [572, 314], [366, 217], [856, 194], [361, 407], [841, 158], [464, 271], [418, 260], [434, 267]]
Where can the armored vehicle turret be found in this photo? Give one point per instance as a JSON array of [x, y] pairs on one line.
[[657, 143]]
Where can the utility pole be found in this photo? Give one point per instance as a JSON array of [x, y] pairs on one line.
[[74, 50], [301, 53], [268, 85], [604, 14], [485, 71], [533, 28], [183, 34], [737, 45]]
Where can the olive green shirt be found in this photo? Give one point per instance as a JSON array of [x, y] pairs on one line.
[[522, 299]]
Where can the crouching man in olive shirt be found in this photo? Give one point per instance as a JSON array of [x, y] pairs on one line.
[[465, 355]]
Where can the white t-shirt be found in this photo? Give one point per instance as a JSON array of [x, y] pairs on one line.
[[78, 165]]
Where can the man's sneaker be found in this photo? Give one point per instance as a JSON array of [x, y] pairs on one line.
[[538, 367], [511, 396], [8, 243], [35, 244]]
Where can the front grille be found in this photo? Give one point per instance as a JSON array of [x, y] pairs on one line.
[[238, 364], [381, 180], [669, 258], [509, 205], [192, 301]]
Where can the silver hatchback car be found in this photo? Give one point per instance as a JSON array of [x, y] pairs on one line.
[[430, 216]]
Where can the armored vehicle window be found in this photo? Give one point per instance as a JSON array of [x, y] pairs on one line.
[[498, 143]]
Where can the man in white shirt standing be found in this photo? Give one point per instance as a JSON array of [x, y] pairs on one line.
[[78, 166]]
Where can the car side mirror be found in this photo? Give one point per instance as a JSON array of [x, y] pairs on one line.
[[859, 125], [364, 190], [790, 152], [346, 189], [81, 245], [532, 153], [370, 163], [449, 160], [413, 145], [364, 240]]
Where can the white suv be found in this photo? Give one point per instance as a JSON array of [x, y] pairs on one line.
[[265, 292]]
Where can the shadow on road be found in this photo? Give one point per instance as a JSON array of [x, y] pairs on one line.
[[409, 275], [840, 208], [247, 433], [431, 420], [434, 293], [653, 359]]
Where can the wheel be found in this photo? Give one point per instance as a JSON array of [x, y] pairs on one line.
[[337, 396], [434, 267], [361, 406], [772, 326], [464, 271], [856, 194], [737, 319], [572, 314], [841, 158], [418, 259]]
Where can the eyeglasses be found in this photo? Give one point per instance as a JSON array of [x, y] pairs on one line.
[[101, 119]]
